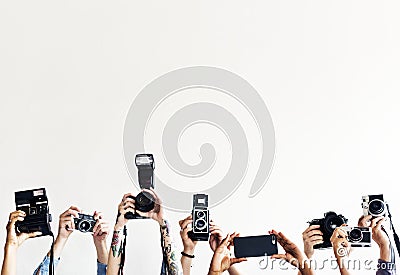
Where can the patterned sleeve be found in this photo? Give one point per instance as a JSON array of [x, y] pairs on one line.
[[386, 268], [43, 268]]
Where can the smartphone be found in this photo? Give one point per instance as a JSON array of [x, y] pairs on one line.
[[255, 246]]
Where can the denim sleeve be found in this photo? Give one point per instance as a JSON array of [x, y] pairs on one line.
[[386, 268], [43, 268], [101, 268]]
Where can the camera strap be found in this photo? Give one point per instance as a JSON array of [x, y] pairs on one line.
[[51, 267], [121, 265], [395, 236]]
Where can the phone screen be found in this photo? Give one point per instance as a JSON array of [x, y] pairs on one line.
[[255, 246]]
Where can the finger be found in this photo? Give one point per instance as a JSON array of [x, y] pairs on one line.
[[34, 234], [185, 219], [97, 225], [278, 256], [379, 223], [376, 221], [185, 223], [76, 208], [126, 196], [315, 239], [312, 233], [311, 227], [97, 215], [143, 214], [314, 242], [237, 260]]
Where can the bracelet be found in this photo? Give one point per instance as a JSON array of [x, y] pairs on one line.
[[187, 255]]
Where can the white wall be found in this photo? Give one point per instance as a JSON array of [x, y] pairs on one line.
[[328, 73]]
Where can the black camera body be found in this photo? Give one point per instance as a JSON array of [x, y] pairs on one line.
[[144, 201], [358, 236], [35, 205], [374, 205], [201, 218], [84, 223], [327, 225]]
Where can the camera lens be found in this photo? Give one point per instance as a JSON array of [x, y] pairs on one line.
[[200, 224], [200, 214], [355, 235], [144, 201], [84, 226], [332, 222], [376, 207]]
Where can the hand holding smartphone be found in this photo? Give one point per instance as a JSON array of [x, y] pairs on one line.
[[255, 246]]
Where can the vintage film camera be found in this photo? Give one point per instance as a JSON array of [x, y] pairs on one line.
[[374, 205], [144, 201], [327, 225], [35, 205], [201, 218], [358, 236], [84, 223]]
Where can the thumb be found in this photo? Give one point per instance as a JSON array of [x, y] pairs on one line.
[[34, 234]]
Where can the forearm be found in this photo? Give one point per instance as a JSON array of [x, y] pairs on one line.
[[10, 260], [186, 262], [384, 254], [114, 258], [169, 249], [59, 245], [342, 268], [101, 250]]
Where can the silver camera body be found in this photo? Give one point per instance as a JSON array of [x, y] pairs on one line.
[[358, 236], [374, 205]]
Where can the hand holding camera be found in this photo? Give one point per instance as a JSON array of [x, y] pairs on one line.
[[66, 223], [340, 242], [16, 239], [327, 225], [312, 236], [188, 243]]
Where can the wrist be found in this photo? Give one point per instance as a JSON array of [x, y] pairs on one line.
[[189, 251], [10, 245], [118, 227]]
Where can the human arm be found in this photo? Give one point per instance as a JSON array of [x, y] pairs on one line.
[[341, 248], [222, 260], [127, 204], [293, 254], [13, 242], [66, 226], [188, 244], [311, 236], [168, 246], [100, 233]]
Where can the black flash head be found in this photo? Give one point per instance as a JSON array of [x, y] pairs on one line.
[[145, 166]]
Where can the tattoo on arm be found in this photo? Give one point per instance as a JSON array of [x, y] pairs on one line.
[[169, 250], [116, 243]]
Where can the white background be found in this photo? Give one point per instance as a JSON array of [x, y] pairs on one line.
[[328, 72]]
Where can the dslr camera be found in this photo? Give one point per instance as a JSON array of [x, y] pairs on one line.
[[201, 218], [358, 236], [35, 205], [327, 225], [144, 201], [374, 205], [84, 223]]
